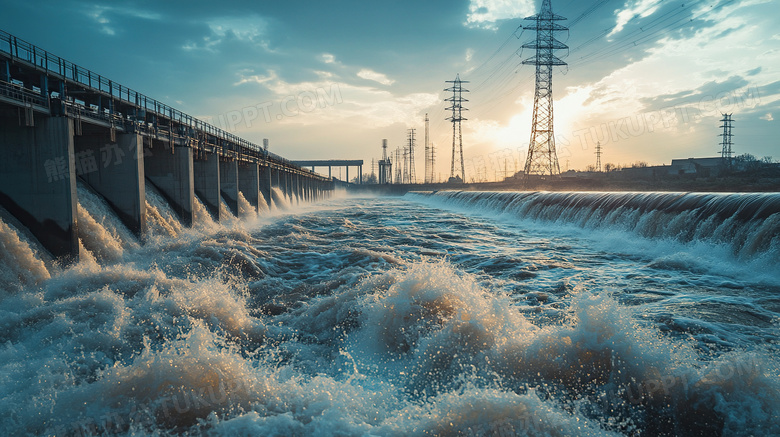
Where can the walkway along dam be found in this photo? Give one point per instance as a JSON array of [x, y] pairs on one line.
[[60, 122]]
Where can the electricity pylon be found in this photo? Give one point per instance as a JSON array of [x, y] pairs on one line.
[[457, 116], [428, 163], [542, 158], [725, 153], [598, 156], [411, 143]]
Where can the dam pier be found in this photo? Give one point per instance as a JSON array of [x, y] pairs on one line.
[[60, 122]]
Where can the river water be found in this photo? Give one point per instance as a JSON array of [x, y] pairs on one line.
[[453, 313]]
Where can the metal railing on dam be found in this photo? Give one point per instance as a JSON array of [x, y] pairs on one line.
[[126, 108], [60, 122]]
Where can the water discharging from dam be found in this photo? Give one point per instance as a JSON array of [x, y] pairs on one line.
[[455, 313]]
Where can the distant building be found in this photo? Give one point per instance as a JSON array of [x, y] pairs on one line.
[[650, 172], [699, 167]]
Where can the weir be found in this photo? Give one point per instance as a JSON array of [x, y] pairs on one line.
[[60, 122]]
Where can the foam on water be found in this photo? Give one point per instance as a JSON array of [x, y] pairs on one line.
[[96, 239], [304, 325], [20, 265], [264, 205], [106, 228], [435, 334], [245, 209], [279, 199], [702, 229], [226, 216], [200, 215], [161, 220]]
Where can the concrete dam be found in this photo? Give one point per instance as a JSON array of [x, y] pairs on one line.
[[60, 123]]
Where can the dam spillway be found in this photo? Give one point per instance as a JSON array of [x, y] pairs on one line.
[[60, 122]]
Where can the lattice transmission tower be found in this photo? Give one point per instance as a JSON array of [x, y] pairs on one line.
[[432, 176], [428, 156], [542, 158], [398, 174], [411, 144], [457, 116], [598, 156], [726, 144]]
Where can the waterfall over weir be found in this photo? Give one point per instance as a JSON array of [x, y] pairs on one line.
[[749, 224], [451, 313]]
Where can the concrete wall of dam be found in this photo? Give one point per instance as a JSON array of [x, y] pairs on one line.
[[41, 164], [61, 124]]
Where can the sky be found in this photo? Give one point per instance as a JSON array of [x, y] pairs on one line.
[[647, 79]]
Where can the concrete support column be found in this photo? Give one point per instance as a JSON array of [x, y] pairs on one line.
[[249, 183], [279, 178], [207, 182], [285, 183], [171, 172], [228, 184], [298, 187], [38, 181], [265, 184], [115, 170], [291, 185]]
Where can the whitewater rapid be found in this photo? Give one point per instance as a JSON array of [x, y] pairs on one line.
[[451, 313]]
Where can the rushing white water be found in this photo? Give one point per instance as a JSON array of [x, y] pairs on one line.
[[201, 217], [264, 206], [279, 199], [102, 234], [423, 315], [748, 223], [20, 264], [160, 218], [245, 209]]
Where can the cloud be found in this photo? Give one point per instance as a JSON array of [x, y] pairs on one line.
[[707, 92], [256, 78], [367, 74], [485, 14], [365, 106], [639, 8], [694, 70], [102, 20], [328, 58], [767, 117], [249, 29], [100, 15]]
